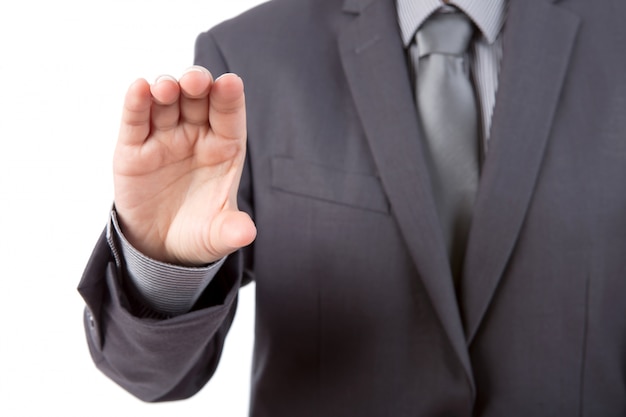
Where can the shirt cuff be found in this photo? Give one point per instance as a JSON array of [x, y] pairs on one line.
[[166, 288]]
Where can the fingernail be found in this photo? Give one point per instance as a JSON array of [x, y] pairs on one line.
[[163, 78], [197, 68], [228, 74]]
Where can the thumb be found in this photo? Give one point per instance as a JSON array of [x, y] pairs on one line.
[[231, 230]]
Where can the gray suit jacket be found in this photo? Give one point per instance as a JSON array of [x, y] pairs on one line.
[[357, 314]]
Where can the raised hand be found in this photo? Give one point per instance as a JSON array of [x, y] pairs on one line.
[[177, 166]]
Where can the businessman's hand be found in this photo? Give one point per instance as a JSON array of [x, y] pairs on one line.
[[177, 166]]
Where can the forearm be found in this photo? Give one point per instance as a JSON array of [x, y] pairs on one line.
[[155, 360]]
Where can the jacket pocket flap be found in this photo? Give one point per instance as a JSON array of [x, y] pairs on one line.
[[328, 184]]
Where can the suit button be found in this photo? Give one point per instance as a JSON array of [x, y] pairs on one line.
[[90, 320]]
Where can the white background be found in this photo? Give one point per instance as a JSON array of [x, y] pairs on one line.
[[64, 68]]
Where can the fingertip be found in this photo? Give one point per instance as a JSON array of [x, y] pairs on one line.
[[227, 93], [230, 80], [238, 230], [139, 83], [138, 91], [196, 82], [137, 103], [165, 89]]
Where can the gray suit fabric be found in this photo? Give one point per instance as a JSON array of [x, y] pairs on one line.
[[356, 313]]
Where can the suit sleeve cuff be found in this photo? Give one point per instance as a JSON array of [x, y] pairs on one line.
[[167, 288]]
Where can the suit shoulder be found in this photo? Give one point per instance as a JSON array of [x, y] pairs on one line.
[[275, 18], [274, 31]]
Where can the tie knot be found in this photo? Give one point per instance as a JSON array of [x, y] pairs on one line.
[[445, 33]]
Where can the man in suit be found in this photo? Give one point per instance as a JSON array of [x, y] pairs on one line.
[[359, 312]]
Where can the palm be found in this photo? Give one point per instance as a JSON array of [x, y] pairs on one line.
[[177, 167]]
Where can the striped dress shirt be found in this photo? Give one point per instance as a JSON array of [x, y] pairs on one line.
[[168, 290], [486, 50]]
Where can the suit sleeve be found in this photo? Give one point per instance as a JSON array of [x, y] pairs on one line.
[[153, 358]]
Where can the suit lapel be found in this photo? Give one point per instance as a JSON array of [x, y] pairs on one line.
[[538, 39], [375, 65]]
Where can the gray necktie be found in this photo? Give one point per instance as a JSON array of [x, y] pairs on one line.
[[447, 109]]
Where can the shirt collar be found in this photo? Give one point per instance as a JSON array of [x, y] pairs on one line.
[[488, 15]]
